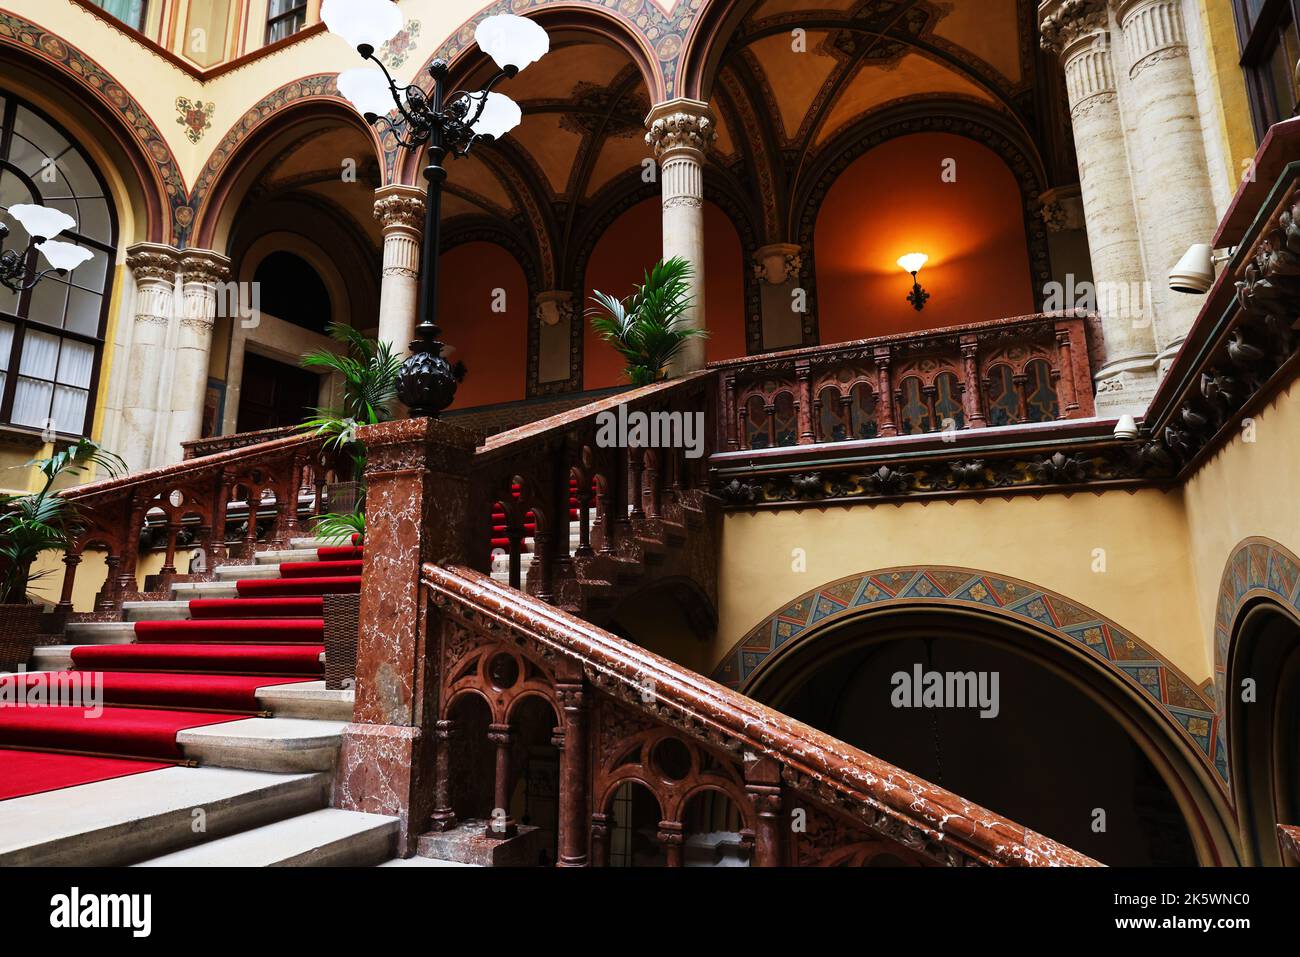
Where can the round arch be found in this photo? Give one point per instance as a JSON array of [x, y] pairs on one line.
[[1165, 714], [114, 129], [238, 157]]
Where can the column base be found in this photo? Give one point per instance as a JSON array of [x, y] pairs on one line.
[[379, 772], [468, 843], [1126, 387]]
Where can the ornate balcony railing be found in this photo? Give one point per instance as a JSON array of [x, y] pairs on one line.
[[1006, 372]]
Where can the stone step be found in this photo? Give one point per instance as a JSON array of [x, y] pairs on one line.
[[282, 555], [307, 699], [423, 862], [188, 590], [326, 838], [308, 542], [156, 610], [51, 658], [100, 632], [265, 744], [123, 820], [236, 572]]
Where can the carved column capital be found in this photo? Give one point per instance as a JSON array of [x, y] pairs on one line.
[[681, 125], [1062, 23], [153, 262], [1153, 31], [400, 207], [1062, 209], [554, 307], [204, 266], [778, 263]]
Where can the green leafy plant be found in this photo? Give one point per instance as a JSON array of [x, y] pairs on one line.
[[337, 528], [369, 371], [648, 327], [43, 520]]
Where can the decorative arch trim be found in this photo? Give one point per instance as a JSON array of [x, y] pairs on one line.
[[1113, 649], [165, 195]]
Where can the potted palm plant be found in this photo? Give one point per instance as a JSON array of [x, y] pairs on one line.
[[369, 370], [34, 523], [648, 327]]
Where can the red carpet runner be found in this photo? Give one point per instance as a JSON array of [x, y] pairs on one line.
[[182, 674]]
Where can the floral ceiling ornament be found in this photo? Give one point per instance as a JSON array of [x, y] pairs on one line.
[[195, 116], [396, 50]]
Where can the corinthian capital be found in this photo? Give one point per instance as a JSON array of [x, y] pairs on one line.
[[204, 266], [153, 262], [1062, 22], [680, 124], [400, 207]]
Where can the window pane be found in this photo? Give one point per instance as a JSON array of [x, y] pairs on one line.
[[75, 363], [8, 301], [6, 343], [90, 274], [83, 312], [31, 127], [49, 301], [40, 354], [69, 413], [32, 402], [93, 221], [76, 171], [27, 156]]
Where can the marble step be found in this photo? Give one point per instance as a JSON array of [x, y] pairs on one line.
[[282, 555], [100, 632], [237, 572], [328, 837], [423, 862], [307, 699], [156, 610], [265, 744], [219, 589], [127, 819]]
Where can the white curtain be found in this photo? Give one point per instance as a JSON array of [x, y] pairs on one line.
[[6, 343], [32, 396]]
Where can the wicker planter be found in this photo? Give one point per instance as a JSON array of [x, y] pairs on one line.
[[342, 625], [20, 632], [345, 498]]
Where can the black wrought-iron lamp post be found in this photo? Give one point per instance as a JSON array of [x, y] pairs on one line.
[[18, 269], [450, 123]]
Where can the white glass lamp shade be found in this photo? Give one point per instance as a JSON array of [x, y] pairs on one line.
[[500, 115], [512, 41], [370, 23], [913, 262], [64, 256], [1194, 273], [368, 90], [41, 222]]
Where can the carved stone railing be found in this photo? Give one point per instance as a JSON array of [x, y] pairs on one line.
[[622, 714], [1006, 372], [223, 505], [198, 448]]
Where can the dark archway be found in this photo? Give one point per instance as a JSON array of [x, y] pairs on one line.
[[1263, 708]]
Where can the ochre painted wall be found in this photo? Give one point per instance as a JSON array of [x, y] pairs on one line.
[[893, 201], [1047, 542], [494, 345]]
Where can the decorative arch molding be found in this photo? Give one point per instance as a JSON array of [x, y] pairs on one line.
[[652, 39], [1190, 715], [161, 184], [316, 95], [924, 114], [1257, 568]]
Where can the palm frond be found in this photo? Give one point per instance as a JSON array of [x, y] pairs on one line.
[[647, 328], [338, 527]]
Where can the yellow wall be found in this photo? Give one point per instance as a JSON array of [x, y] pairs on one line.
[[1048, 542], [90, 575]]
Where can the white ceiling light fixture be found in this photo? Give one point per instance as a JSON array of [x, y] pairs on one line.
[[366, 25], [512, 42]]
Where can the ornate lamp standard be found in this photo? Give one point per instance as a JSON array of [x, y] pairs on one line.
[[42, 224], [451, 124]]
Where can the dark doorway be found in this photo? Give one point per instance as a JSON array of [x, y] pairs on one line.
[[292, 290], [274, 394]]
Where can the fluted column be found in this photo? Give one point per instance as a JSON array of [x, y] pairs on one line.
[[400, 211], [680, 131], [1174, 196], [154, 267], [1078, 30], [203, 271]]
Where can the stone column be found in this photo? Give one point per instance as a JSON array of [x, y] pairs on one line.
[[417, 506], [1079, 31], [400, 211], [680, 131], [1174, 196], [154, 267], [203, 270], [572, 839]]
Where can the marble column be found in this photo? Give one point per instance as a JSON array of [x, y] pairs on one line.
[[400, 211], [1078, 30], [680, 131], [203, 270], [1174, 197], [155, 268]]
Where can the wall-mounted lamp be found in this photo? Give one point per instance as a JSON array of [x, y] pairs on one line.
[[912, 263]]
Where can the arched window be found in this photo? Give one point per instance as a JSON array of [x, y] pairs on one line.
[[51, 336], [292, 290]]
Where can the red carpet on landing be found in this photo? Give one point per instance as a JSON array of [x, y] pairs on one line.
[[180, 674]]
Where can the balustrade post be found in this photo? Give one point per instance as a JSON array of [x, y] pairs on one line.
[[763, 786], [417, 511], [252, 501], [600, 840], [653, 478], [885, 393], [168, 570], [502, 824], [106, 597], [127, 586], [288, 524], [225, 488], [585, 498], [1068, 393], [972, 395], [1021, 382], [443, 817], [729, 411], [572, 839], [672, 837], [635, 482], [515, 542], [70, 562], [803, 373]]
